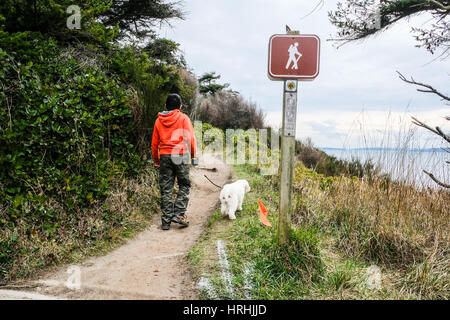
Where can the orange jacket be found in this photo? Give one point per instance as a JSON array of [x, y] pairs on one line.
[[173, 134]]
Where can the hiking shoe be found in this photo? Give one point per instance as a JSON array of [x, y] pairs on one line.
[[181, 220], [165, 226]]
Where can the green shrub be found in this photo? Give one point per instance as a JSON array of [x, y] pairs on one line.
[[60, 126], [65, 131]]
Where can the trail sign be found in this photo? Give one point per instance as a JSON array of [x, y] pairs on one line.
[[294, 56]]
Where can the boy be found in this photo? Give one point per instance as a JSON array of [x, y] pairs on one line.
[[173, 144]]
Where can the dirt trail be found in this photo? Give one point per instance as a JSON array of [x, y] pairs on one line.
[[153, 265]]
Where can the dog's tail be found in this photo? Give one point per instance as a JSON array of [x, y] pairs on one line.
[[212, 182]]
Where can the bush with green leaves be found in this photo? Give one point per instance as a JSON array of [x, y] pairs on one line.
[[76, 117], [65, 131]]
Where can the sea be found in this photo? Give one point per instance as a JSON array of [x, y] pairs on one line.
[[405, 165]]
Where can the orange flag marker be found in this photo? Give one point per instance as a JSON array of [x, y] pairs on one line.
[[262, 209], [263, 214]]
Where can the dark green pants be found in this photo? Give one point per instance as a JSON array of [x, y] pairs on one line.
[[172, 166]]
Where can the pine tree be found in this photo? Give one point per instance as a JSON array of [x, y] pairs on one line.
[[208, 85], [133, 18]]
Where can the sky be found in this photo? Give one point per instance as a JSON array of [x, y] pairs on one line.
[[357, 96]]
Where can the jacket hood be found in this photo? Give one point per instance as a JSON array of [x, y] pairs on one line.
[[169, 118]]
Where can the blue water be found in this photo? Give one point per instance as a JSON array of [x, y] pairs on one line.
[[402, 164]]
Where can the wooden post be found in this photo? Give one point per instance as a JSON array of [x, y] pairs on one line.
[[287, 157], [286, 174]]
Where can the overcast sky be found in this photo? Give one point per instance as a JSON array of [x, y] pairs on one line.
[[357, 87]]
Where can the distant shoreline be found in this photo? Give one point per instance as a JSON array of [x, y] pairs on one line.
[[382, 149]]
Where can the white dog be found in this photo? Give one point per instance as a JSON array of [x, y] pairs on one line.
[[232, 196]]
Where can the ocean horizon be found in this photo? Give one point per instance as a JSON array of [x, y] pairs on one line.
[[384, 149], [401, 164]]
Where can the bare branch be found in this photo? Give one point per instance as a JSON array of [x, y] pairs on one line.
[[437, 131], [436, 180], [319, 4], [429, 88]]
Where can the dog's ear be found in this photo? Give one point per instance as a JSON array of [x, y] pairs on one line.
[[247, 187]]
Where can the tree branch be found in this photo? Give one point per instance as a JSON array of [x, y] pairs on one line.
[[319, 4], [436, 180], [437, 131], [359, 19], [429, 88]]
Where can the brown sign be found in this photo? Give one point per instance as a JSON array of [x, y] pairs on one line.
[[294, 56]]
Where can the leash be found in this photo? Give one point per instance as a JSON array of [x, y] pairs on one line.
[[212, 182]]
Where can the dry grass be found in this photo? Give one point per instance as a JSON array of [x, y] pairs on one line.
[[388, 223]]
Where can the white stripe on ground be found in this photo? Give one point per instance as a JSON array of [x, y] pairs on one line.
[[248, 285], [206, 285], [226, 275]]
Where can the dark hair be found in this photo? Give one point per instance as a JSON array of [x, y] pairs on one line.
[[173, 102]]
